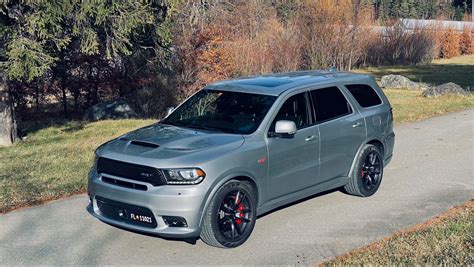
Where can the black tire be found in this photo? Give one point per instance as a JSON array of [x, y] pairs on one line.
[[367, 175], [227, 224]]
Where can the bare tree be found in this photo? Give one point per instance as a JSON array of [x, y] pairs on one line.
[[8, 133]]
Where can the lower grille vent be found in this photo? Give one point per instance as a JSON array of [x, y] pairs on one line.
[[121, 183]]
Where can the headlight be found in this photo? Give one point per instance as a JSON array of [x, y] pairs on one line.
[[184, 176]]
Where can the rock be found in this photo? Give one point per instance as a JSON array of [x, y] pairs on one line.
[[443, 89], [116, 109], [399, 81]]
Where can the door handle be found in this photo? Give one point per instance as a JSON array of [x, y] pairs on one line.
[[311, 138], [355, 125]]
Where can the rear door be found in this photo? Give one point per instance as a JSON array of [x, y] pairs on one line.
[[370, 104], [341, 128]]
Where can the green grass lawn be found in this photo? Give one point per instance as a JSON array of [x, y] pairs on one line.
[[409, 105], [445, 240], [459, 70], [53, 162]]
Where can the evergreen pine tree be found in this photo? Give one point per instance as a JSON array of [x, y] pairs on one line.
[[413, 10], [404, 10]]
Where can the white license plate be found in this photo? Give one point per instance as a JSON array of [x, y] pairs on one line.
[[141, 218]]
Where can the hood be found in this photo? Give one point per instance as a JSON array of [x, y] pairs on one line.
[[167, 142]]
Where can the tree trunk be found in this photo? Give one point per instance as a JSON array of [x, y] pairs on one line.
[[37, 96], [64, 99], [8, 133]]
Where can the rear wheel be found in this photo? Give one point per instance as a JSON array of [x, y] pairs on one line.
[[230, 217], [368, 171]]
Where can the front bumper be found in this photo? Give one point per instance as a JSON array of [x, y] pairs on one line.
[[183, 201]]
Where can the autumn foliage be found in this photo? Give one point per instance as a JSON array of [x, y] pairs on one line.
[[252, 37], [465, 42], [450, 44], [212, 57], [222, 40]]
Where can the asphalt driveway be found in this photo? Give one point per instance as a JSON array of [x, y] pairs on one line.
[[432, 170]]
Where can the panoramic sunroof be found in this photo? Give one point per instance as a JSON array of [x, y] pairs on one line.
[[263, 82]]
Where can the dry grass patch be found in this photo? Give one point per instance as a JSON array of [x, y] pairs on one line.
[[447, 239], [409, 105]]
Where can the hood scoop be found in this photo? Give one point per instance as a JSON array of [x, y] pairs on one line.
[[144, 144]]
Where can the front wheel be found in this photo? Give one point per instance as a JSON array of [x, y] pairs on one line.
[[367, 174], [230, 217]]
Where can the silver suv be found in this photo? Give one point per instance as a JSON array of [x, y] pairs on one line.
[[240, 148]]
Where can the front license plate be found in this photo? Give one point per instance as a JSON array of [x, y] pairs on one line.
[[141, 218]]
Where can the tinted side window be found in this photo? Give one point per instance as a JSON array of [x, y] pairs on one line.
[[294, 109], [330, 103], [364, 94]]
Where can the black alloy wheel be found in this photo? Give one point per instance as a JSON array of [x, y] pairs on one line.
[[234, 215], [371, 170], [230, 218], [366, 177]]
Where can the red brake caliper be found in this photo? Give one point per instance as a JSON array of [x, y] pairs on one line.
[[242, 215], [240, 208]]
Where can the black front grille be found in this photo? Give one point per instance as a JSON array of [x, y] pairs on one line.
[[131, 171], [123, 212]]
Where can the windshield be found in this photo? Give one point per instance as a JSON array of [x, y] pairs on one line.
[[231, 112]]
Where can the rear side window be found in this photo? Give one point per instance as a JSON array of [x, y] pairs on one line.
[[365, 95], [330, 103]]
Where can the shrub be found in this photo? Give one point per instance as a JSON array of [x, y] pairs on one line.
[[465, 42], [274, 48], [449, 44], [213, 58], [333, 33], [396, 46]]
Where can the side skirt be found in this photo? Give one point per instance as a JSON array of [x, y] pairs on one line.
[[287, 199]]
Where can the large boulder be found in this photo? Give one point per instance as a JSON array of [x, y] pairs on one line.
[[443, 89], [116, 109], [399, 81]]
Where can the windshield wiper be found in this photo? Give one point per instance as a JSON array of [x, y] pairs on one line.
[[203, 127], [197, 126], [171, 123]]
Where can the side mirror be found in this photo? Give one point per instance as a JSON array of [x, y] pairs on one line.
[[169, 111], [285, 128]]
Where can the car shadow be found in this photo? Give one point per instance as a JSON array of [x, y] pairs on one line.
[[296, 202], [191, 241]]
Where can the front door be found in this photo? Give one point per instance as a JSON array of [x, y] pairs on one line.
[[293, 161]]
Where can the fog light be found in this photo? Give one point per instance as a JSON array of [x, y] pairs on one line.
[[175, 221]]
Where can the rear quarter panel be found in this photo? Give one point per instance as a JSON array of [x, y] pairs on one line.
[[379, 121]]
